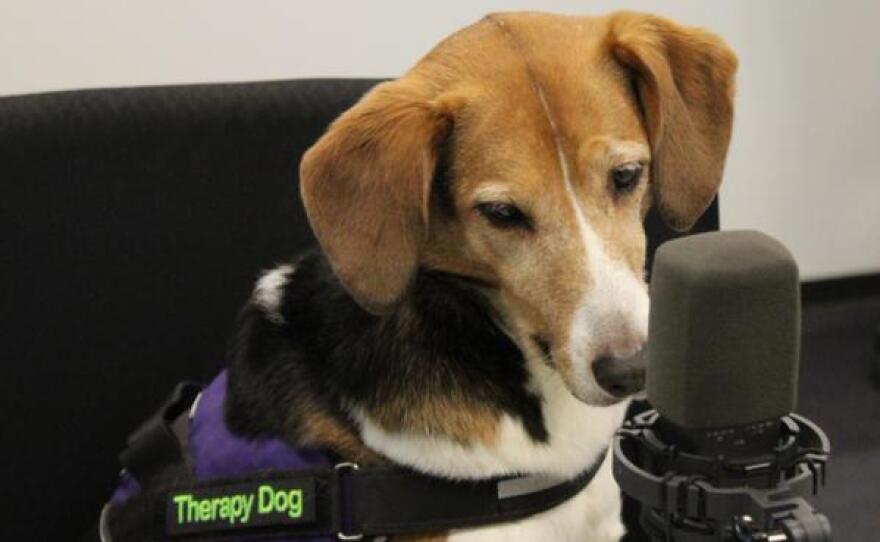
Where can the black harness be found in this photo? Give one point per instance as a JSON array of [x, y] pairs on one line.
[[343, 502]]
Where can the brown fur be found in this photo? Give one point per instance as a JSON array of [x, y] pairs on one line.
[[455, 418], [320, 430], [371, 174], [513, 90], [685, 78]]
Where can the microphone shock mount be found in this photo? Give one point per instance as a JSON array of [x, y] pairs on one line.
[[689, 497]]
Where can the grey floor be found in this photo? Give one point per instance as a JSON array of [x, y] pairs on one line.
[[837, 393]]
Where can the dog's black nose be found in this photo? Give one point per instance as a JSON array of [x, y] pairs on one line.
[[621, 377]]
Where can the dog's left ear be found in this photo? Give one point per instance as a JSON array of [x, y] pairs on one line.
[[685, 81], [366, 188]]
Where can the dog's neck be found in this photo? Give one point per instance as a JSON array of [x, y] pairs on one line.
[[436, 385]]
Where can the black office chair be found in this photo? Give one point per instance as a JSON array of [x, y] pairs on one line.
[[134, 222]]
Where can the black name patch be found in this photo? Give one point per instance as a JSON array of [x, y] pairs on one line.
[[288, 501]]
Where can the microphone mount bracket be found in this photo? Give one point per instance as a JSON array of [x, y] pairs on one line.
[[687, 497]]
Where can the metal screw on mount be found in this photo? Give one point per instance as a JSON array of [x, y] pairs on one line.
[[744, 531]]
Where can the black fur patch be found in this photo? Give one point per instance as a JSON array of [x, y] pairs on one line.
[[443, 177], [329, 352]]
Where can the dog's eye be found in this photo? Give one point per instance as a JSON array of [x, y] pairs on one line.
[[626, 177], [504, 215]]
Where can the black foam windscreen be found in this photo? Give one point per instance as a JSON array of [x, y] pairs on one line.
[[724, 335]]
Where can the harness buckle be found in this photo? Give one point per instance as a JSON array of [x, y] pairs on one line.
[[344, 472]]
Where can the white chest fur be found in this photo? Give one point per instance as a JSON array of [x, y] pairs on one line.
[[578, 434]]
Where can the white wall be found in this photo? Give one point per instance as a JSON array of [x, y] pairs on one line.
[[804, 164]]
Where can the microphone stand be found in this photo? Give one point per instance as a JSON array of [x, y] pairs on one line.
[[687, 497]]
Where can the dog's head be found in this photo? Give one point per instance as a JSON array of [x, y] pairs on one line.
[[523, 153]]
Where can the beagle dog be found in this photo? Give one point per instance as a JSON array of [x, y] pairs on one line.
[[480, 221]]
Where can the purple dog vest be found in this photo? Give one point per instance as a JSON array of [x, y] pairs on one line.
[[216, 452]]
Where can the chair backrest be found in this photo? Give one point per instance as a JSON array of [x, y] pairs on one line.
[[134, 222]]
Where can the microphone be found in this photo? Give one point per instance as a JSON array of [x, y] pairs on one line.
[[722, 456], [724, 345]]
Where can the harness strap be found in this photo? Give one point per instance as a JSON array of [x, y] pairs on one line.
[[394, 501], [161, 439], [347, 501]]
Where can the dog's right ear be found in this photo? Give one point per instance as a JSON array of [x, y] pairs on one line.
[[366, 187]]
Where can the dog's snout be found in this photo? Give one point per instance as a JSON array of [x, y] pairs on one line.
[[620, 377], [630, 332], [626, 346]]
